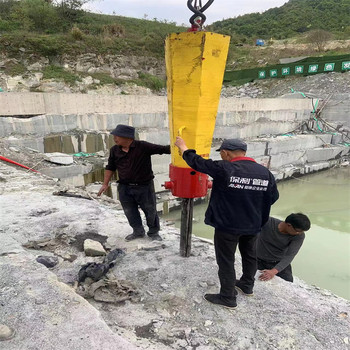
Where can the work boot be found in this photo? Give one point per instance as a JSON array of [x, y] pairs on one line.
[[154, 236], [134, 236], [243, 289], [219, 300]]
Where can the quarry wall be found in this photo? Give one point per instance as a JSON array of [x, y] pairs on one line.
[[72, 123]]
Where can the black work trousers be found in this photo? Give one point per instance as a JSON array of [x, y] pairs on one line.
[[225, 247], [133, 196], [285, 274]]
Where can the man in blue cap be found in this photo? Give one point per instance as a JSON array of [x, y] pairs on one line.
[[132, 160], [242, 194]]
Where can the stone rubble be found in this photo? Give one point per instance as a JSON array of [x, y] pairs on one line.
[[59, 158], [318, 86], [93, 248]]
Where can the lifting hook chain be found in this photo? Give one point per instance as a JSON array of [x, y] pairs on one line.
[[198, 18]]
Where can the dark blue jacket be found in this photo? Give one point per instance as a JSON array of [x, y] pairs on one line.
[[242, 194]]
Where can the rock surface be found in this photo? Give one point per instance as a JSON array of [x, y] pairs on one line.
[[319, 85], [109, 66], [59, 158], [6, 333], [93, 248], [48, 261], [46, 312], [127, 68]]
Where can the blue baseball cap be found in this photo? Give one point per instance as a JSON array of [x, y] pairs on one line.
[[232, 145]]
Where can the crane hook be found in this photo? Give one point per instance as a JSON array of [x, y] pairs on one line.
[[198, 18]]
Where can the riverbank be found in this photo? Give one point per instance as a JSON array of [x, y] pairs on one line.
[[167, 310]]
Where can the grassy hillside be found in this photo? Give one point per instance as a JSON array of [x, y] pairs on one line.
[[291, 19], [40, 28]]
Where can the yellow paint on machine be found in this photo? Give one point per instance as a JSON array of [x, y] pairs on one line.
[[195, 64]]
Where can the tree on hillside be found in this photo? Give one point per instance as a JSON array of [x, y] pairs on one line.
[[70, 10], [319, 38], [35, 15]]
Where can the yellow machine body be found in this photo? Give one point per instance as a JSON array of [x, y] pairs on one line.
[[195, 64]]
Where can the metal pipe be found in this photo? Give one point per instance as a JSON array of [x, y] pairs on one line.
[[186, 226]]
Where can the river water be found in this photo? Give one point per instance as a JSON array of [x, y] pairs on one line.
[[324, 258]]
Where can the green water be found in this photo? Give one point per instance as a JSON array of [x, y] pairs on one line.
[[324, 259]]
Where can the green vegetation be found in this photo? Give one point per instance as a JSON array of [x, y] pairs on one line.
[[104, 78], [34, 28], [14, 69], [42, 27], [294, 17], [58, 73], [150, 81]]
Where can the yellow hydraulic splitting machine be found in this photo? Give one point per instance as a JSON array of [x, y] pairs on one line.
[[195, 64]]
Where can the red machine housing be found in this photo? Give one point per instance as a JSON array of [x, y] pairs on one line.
[[187, 183]]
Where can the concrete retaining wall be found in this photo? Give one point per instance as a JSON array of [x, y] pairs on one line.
[[57, 103], [17, 104]]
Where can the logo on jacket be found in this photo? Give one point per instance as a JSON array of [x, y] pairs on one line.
[[246, 183]]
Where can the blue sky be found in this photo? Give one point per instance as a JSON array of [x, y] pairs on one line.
[[177, 11]]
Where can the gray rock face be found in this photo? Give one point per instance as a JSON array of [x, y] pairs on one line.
[[48, 313], [117, 66], [123, 67]]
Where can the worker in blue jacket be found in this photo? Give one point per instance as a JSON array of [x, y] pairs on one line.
[[242, 194]]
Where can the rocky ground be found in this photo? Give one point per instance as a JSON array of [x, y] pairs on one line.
[[26, 73], [37, 160], [320, 86], [163, 292], [86, 66]]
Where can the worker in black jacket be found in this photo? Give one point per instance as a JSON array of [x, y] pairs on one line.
[[132, 160], [242, 194]]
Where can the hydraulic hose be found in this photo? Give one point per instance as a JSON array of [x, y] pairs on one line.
[[13, 162]]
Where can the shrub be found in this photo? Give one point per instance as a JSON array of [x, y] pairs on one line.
[[6, 8], [114, 29], [76, 33], [7, 26], [319, 38], [69, 11], [47, 45], [36, 15]]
